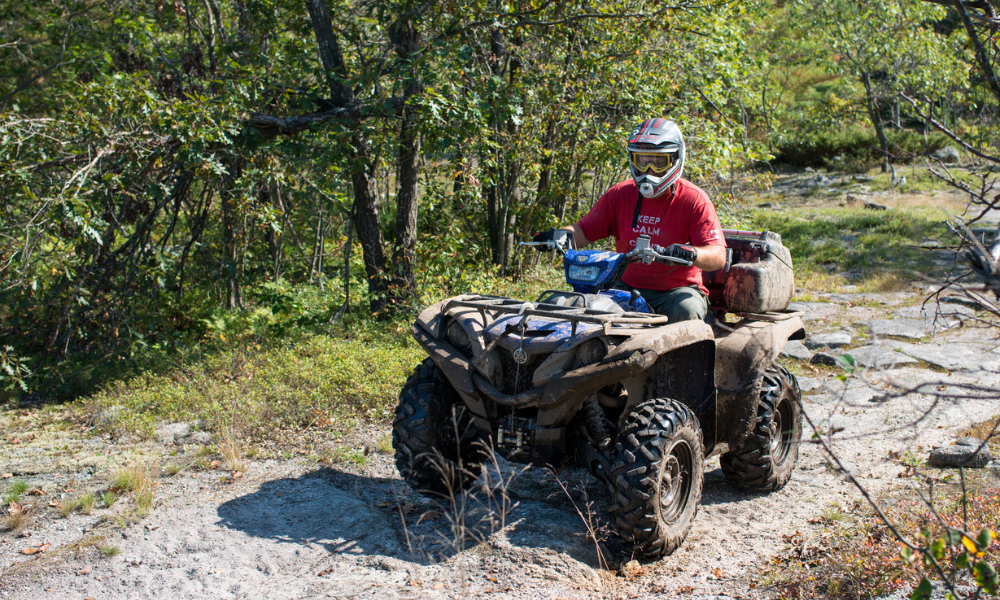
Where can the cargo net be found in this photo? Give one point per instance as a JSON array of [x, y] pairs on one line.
[[517, 378]]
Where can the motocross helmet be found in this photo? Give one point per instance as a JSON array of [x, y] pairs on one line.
[[655, 156]]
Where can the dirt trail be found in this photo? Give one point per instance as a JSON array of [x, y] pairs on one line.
[[288, 529]]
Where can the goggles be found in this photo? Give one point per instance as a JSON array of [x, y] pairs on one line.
[[655, 163]]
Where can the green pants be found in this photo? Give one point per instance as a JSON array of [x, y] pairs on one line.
[[680, 304]]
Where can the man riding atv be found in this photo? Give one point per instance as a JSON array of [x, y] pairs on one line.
[[589, 377], [672, 211]]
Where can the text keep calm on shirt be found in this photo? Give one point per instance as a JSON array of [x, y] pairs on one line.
[[684, 217]]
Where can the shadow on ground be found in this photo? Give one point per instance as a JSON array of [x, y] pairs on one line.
[[345, 513]]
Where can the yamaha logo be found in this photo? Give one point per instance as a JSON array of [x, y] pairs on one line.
[[520, 356]]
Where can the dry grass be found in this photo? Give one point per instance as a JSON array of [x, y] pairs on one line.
[[862, 559], [67, 507], [231, 450], [17, 519], [139, 480]]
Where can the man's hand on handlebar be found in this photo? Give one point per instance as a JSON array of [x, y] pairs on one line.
[[680, 251], [559, 237]]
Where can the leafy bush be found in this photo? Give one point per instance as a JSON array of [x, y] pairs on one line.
[[855, 149]]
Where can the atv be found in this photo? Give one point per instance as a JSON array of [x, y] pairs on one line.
[[592, 378]]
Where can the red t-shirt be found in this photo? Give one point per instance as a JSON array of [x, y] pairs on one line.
[[684, 217]]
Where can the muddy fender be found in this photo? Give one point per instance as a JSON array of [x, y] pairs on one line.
[[742, 354]]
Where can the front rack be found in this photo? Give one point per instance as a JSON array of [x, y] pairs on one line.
[[486, 305]]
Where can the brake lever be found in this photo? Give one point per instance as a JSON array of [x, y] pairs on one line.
[[664, 258]]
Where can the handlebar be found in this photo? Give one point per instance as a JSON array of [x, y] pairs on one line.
[[643, 251]]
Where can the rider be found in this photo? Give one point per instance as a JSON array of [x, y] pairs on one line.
[[672, 211]]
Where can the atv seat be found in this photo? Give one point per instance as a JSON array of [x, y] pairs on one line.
[[760, 279]]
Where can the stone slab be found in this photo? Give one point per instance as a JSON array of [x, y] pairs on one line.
[[796, 349], [955, 356], [809, 384], [815, 310], [850, 395], [877, 356], [833, 339], [913, 329], [959, 456], [946, 311]]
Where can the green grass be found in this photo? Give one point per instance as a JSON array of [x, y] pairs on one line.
[[285, 388], [15, 490], [138, 479], [879, 246], [86, 503]]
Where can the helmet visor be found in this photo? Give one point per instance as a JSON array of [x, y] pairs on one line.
[[657, 164]]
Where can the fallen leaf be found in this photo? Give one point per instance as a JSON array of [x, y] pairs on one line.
[[98, 578], [406, 507], [6, 476], [324, 572], [718, 572], [37, 492], [430, 515], [684, 589], [15, 441], [214, 464], [383, 504], [85, 571], [438, 585], [36, 550], [237, 475], [54, 504]]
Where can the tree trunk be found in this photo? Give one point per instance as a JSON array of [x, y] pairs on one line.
[[369, 228], [404, 286], [230, 240], [361, 159], [873, 113]]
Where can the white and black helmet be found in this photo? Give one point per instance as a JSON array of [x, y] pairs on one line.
[[655, 156]]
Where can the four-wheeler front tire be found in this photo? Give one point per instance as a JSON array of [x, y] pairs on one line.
[[656, 477], [764, 462], [433, 435]]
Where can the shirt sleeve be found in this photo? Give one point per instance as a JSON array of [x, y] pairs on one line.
[[599, 222], [705, 229]]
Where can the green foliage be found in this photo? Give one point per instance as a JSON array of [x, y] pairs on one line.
[[855, 149]]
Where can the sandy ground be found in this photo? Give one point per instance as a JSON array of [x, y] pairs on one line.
[[294, 529]]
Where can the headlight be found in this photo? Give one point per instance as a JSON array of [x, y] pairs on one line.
[[591, 352], [581, 273], [458, 336]]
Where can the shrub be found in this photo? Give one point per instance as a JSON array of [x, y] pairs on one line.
[[855, 149]]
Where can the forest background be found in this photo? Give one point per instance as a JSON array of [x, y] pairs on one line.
[[182, 178]]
